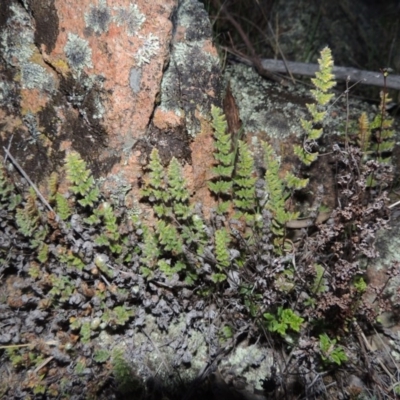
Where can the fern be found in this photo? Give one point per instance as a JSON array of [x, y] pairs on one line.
[[27, 218], [110, 236], [382, 126], [222, 240], [275, 187], [224, 160], [82, 182], [155, 186], [62, 207], [150, 249], [323, 82], [52, 185], [169, 238], [179, 194], [244, 184]]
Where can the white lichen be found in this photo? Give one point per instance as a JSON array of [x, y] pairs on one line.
[[98, 17], [131, 17], [34, 76], [17, 37], [151, 45], [78, 52]]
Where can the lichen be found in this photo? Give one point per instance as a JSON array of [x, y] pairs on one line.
[[98, 17], [34, 76], [131, 17], [78, 53], [151, 45], [17, 39], [193, 73]]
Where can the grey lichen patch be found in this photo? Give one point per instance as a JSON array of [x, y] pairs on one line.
[[31, 123], [135, 76], [150, 47], [130, 17], [98, 17], [262, 105], [251, 362], [34, 76], [193, 74], [78, 53], [17, 37], [198, 28], [8, 93]]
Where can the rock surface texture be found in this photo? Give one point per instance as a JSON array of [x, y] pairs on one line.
[[88, 75]]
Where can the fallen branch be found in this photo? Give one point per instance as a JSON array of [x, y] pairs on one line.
[[341, 73]]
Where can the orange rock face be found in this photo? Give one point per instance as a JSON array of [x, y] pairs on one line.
[[109, 80]]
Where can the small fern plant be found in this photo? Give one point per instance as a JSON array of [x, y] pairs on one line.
[[224, 157], [178, 230], [81, 180], [323, 82]]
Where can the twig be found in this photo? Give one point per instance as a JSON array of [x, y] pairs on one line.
[[41, 197], [45, 362], [25, 175]]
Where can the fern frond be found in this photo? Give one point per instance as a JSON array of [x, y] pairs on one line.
[[364, 132], [219, 123], [27, 218], [323, 82], [222, 240], [52, 185], [150, 249], [178, 190], [62, 207], [224, 158], [81, 179], [169, 238], [304, 156], [293, 182], [276, 191], [244, 183]]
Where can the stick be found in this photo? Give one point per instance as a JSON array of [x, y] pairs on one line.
[[25, 175]]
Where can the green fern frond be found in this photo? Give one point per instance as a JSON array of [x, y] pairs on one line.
[[276, 190], [294, 182], [178, 190], [224, 159], [304, 156], [150, 249], [323, 82], [155, 188], [27, 218], [324, 78], [62, 207], [81, 180], [222, 240], [219, 125], [244, 198], [9, 199], [195, 234], [169, 238], [52, 185], [220, 187]]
